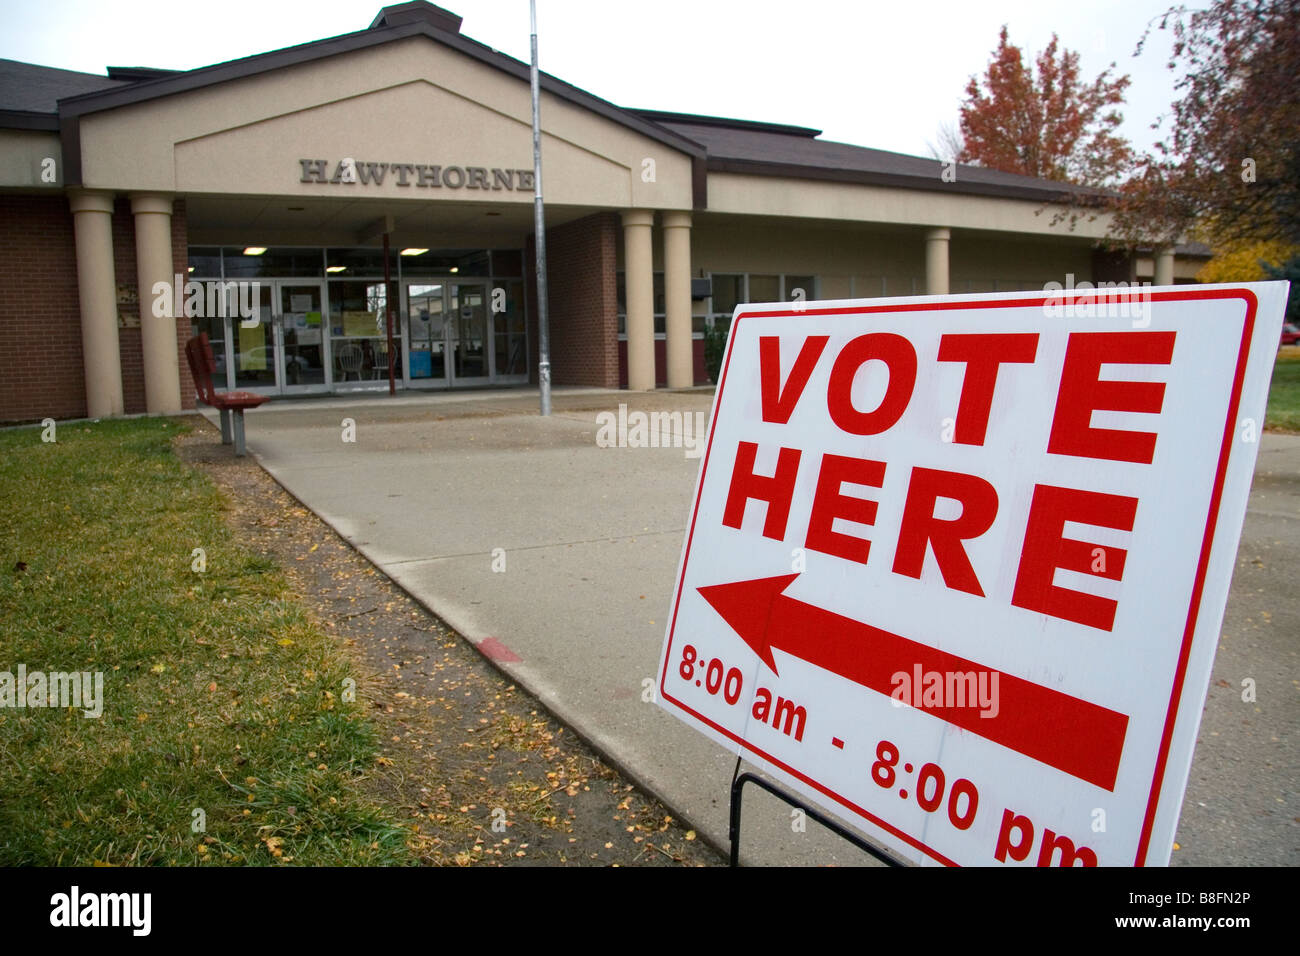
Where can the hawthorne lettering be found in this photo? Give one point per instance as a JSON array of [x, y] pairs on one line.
[[349, 172]]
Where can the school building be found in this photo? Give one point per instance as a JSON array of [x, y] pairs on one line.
[[252, 200]]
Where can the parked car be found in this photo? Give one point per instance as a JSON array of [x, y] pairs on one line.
[[1290, 333]]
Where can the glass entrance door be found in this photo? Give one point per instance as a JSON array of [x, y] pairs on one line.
[[467, 307], [429, 331], [358, 338], [300, 354], [255, 365], [283, 350], [450, 333]]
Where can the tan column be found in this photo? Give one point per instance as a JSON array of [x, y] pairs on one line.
[[1164, 266], [638, 278], [153, 258], [92, 223], [936, 261], [677, 296]]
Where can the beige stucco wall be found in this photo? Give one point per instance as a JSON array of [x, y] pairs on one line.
[[978, 261], [22, 155], [846, 261], [779, 196], [409, 101]]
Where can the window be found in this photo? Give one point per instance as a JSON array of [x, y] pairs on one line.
[[281, 263], [798, 288], [507, 262], [509, 326], [659, 306], [204, 263], [764, 288], [729, 291], [359, 331], [360, 262], [733, 289], [445, 262]]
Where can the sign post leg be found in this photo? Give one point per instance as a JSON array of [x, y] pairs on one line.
[[738, 785]]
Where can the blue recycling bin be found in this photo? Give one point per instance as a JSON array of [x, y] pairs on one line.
[[421, 364]]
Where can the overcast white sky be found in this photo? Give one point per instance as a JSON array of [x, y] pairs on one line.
[[880, 73]]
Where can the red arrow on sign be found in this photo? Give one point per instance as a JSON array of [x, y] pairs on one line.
[[1081, 738]]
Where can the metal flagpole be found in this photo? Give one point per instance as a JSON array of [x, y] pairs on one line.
[[539, 228]]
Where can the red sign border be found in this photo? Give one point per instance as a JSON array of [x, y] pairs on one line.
[[1211, 524]]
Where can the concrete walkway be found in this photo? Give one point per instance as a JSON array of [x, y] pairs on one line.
[[437, 490]]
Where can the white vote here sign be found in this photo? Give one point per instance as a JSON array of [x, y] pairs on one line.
[[956, 565]]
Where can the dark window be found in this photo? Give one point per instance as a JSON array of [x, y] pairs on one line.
[[764, 288], [273, 262], [507, 262], [360, 262], [442, 262], [728, 292], [204, 262], [800, 282]]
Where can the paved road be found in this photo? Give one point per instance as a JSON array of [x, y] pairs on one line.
[[591, 537]]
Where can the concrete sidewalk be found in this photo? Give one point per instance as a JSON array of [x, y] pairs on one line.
[[438, 488]]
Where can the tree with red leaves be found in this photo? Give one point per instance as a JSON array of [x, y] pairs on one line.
[[1229, 171], [1045, 122]]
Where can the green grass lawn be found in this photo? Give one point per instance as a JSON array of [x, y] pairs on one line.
[[1284, 394], [219, 694]]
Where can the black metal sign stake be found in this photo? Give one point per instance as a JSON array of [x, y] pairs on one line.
[[738, 784]]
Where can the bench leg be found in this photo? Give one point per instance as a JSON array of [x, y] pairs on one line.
[[239, 431], [225, 426]]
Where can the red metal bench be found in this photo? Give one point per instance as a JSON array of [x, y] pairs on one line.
[[231, 404]]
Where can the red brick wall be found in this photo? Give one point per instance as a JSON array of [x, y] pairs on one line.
[[42, 373], [41, 370], [128, 339], [583, 302]]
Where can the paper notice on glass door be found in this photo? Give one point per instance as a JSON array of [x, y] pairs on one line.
[[252, 347]]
